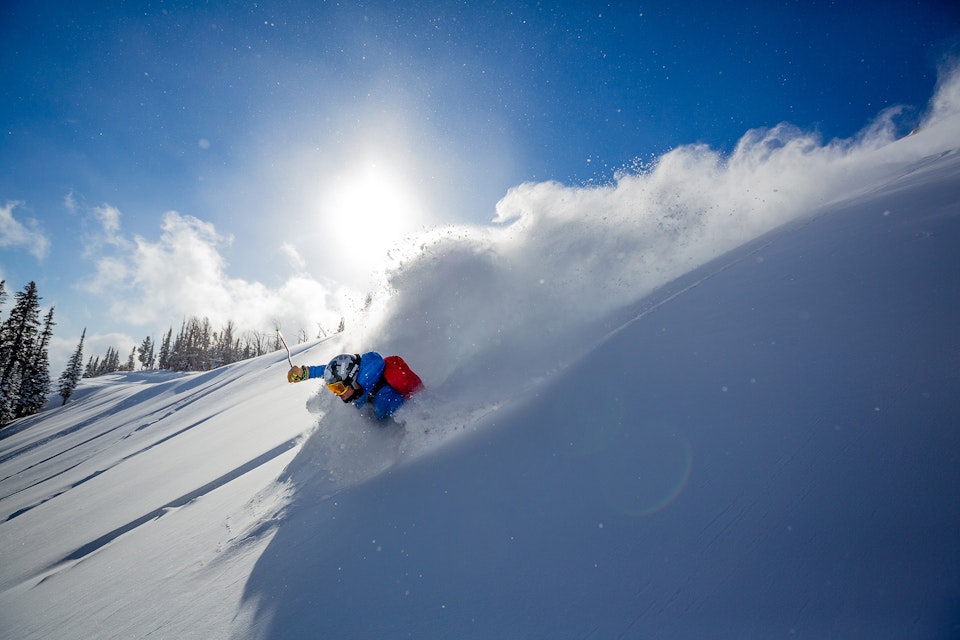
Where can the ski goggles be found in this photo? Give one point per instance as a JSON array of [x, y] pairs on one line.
[[338, 388]]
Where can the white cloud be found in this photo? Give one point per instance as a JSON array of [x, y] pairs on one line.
[[184, 274], [106, 232], [293, 256], [109, 218], [27, 235]]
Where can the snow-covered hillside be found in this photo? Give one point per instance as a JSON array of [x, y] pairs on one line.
[[717, 399], [770, 448]]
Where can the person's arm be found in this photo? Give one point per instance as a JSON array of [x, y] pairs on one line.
[[306, 372]]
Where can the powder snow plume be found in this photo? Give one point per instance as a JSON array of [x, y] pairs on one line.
[[502, 301], [485, 313]]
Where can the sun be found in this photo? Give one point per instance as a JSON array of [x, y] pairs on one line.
[[366, 211]]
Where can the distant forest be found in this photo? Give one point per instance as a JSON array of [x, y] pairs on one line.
[[25, 382]]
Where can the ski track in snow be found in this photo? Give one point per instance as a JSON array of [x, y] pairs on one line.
[[102, 541]]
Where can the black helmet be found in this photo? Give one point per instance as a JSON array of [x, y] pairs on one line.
[[341, 372]]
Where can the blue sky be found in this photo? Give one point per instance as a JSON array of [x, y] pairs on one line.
[[255, 161]]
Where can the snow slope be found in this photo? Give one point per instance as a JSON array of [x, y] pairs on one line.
[[718, 398], [770, 448]]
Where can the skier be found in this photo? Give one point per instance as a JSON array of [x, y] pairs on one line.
[[370, 379]]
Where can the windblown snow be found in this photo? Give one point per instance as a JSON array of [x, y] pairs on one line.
[[717, 397]]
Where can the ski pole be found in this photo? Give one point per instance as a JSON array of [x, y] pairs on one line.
[[280, 335]]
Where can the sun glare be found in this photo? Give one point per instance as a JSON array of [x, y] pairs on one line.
[[366, 212]]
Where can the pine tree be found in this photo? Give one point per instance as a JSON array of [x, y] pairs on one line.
[[195, 346], [225, 346], [103, 365], [91, 368], [164, 362], [18, 341], [35, 386], [145, 353], [179, 351], [110, 362], [70, 377]]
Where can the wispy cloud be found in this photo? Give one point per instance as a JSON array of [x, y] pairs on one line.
[[102, 230], [109, 218], [26, 234], [293, 256]]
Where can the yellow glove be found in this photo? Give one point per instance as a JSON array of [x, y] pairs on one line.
[[298, 374]]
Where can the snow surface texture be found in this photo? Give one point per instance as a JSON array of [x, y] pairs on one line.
[[718, 398]]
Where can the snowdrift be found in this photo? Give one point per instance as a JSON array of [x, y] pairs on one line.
[[716, 398]]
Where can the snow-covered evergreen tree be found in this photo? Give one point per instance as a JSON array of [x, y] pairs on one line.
[[70, 377], [110, 362], [145, 353], [178, 351], [35, 386], [18, 341], [91, 369]]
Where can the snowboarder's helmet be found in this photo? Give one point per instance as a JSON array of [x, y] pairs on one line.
[[341, 372]]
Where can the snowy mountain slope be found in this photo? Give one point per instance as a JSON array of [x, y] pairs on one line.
[[110, 480], [772, 452], [628, 431]]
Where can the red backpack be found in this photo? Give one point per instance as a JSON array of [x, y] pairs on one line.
[[401, 377]]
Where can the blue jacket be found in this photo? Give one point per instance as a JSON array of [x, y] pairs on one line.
[[386, 400]]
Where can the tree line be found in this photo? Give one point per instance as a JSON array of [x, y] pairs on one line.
[[196, 347], [25, 382]]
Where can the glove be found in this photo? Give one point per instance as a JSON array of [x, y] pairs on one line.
[[298, 374]]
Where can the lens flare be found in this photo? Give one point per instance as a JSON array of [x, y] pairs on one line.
[[648, 471]]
